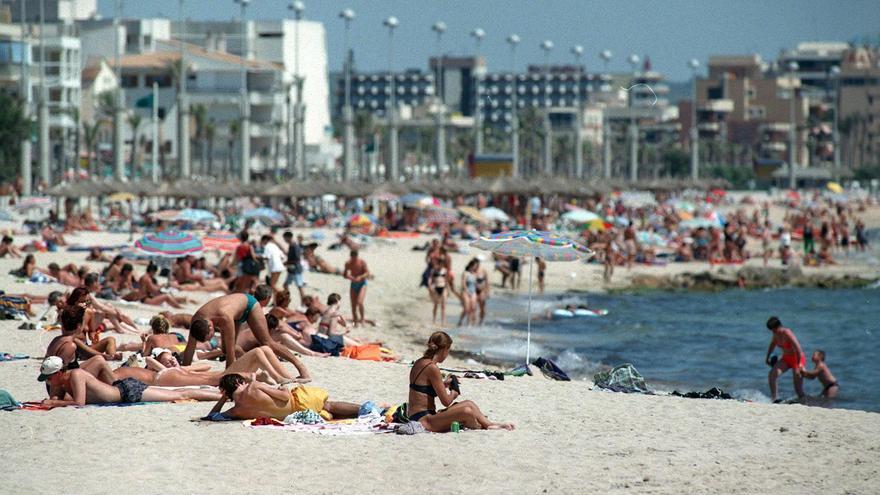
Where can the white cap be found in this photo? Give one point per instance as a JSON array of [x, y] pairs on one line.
[[158, 351], [50, 366]]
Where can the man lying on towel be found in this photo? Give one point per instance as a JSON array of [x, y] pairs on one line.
[[254, 399], [78, 388]]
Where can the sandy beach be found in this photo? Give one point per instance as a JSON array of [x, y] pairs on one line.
[[569, 438]]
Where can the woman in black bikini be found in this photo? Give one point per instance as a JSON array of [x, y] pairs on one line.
[[426, 384]]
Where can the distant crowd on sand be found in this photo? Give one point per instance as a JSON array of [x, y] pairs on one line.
[[251, 328]]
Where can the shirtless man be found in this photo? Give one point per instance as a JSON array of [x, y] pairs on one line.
[[821, 371], [63, 276], [226, 314], [357, 272], [187, 279], [78, 388], [286, 334], [258, 400], [792, 357], [149, 291]]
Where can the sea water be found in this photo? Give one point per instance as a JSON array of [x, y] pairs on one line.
[[691, 341]]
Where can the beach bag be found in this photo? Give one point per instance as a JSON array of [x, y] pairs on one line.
[[332, 346], [624, 378], [550, 369], [252, 267]]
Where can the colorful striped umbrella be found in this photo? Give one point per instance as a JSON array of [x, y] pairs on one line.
[[442, 216], [166, 215], [221, 241], [533, 244], [168, 244], [32, 203]]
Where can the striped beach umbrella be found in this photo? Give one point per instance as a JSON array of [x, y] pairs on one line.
[[168, 244], [361, 220], [221, 241], [533, 244], [33, 202], [265, 215], [166, 215]]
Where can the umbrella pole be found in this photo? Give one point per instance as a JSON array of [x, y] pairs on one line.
[[529, 319]]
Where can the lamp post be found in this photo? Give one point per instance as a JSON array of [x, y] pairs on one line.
[[183, 151], [43, 107], [547, 47], [513, 40], [299, 108], [605, 55], [118, 110], [835, 135], [578, 52], [347, 15], [25, 157], [245, 127], [633, 126], [694, 65], [439, 28], [391, 172], [478, 34], [792, 128]]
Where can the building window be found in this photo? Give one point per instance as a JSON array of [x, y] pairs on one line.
[[164, 80], [751, 93], [130, 81], [757, 112]]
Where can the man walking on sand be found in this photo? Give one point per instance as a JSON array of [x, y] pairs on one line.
[[357, 272]]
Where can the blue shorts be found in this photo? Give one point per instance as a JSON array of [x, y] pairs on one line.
[[296, 278]]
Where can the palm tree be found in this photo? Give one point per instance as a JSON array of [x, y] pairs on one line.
[[91, 131], [200, 117], [231, 139], [210, 131], [134, 121], [14, 127]]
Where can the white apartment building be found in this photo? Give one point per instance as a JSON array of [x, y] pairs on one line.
[[54, 10]]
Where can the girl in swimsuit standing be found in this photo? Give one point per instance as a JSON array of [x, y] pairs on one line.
[[437, 289], [469, 293]]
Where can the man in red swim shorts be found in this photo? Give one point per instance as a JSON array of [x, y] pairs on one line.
[[792, 357]]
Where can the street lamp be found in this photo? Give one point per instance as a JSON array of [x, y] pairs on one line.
[[439, 27], [347, 15], [118, 117], [606, 55], [694, 65], [245, 127], [513, 40], [633, 124], [478, 34], [299, 165], [835, 135], [183, 151], [547, 47], [391, 172], [25, 157], [578, 52], [792, 128]]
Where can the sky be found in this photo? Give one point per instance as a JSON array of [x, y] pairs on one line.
[[670, 32]]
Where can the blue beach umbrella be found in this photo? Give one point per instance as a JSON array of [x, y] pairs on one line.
[[264, 214], [533, 244], [195, 215]]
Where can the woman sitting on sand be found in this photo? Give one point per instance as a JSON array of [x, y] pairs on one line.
[[149, 291], [426, 383]]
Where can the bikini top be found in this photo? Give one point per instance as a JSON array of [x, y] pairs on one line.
[[423, 389]]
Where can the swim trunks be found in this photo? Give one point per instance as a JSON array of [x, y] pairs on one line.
[[313, 398], [251, 300], [130, 390], [357, 286], [792, 361]]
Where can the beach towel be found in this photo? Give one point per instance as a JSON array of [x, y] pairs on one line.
[[7, 402], [369, 352], [5, 356], [13, 308], [624, 378], [78, 248], [365, 425], [550, 369]]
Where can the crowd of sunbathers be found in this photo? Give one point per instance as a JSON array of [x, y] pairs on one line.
[[250, 334]]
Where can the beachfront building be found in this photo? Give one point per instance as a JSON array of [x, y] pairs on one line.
[[60, 78], [859, 119], [213, 88], [744, 112], [53, 10], [299, 49]]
